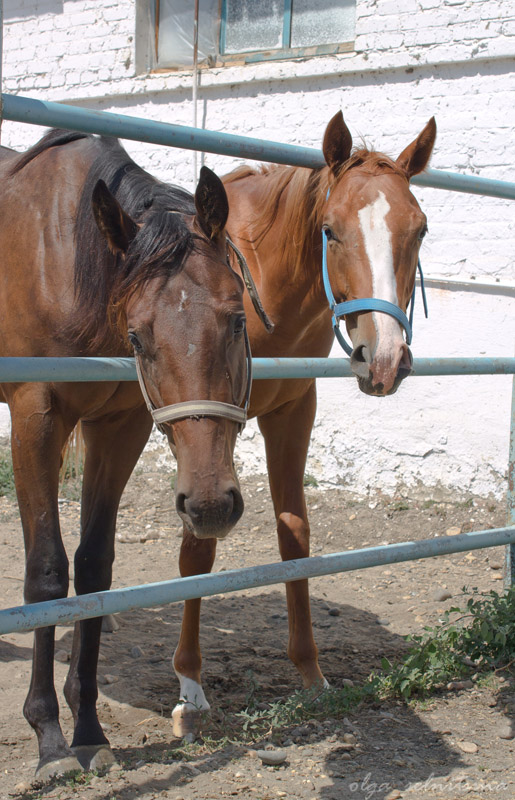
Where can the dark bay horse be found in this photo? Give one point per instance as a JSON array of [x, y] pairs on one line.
[[100, 258], [373, 226]]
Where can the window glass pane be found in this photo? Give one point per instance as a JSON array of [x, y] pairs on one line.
[[176, 19], [253, 25], [322, 22]]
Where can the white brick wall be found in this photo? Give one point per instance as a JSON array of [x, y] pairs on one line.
[[412, 59]]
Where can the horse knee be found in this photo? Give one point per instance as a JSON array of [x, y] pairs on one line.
[[92, 574], [293, 532], [46, 576]]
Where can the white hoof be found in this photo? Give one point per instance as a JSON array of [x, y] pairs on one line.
[[186, 722]]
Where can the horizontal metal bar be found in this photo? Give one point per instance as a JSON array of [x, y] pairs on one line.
[[41, 112], [96, 604], [64, 370]]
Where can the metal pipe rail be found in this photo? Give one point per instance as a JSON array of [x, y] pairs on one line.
[[71, 609], [41, 112], [62, 370]]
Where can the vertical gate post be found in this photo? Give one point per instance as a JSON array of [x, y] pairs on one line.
[[509, 572]]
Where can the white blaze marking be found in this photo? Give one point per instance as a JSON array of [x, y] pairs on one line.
[[191, 349], [184, 297], [378, 247]]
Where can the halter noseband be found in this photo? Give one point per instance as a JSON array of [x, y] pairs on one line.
[[339, 310]]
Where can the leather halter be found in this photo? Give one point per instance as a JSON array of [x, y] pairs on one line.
[[339, 310], [196, 409]]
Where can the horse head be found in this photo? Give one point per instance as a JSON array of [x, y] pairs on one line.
[[182, 308], [374, 227]]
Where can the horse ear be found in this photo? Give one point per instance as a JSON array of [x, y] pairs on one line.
[[337, 143], [211, 203], [415, 157], [115, 225]]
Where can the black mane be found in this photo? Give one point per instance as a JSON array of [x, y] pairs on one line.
[[102, 280]]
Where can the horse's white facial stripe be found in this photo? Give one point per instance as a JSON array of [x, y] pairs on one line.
[[184, 297], [377, 239]]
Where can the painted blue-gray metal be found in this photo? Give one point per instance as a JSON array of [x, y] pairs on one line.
[[56, 370], [71, 609], [41, 112]]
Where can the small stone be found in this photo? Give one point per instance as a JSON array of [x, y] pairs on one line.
[[507, 730], [62, 656], [455, 685], [468, 684], [349, 738], [272, 757], [454, 531], [497, 576], [468, 747], [442, 594], [393, 795], [22, 787], [496, 565], [281, 794], [334, 612], [352, 516], [136, 651], [347, 682], [111, 678]]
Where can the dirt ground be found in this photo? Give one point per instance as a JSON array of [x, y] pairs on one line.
[[453, 746]]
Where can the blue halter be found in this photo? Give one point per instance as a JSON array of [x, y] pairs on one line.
[[367, 304]]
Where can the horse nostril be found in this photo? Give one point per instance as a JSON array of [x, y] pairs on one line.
[[180, 503], [360, 354], [360, 361], [405, 364]]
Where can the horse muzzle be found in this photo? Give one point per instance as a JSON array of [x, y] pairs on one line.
[[210, 517], [381, 375]]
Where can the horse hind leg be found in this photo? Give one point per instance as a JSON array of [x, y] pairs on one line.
[[113, 447], [36, 441], [197, 556]]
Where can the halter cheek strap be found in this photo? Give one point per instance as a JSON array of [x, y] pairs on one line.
[[339, 310]]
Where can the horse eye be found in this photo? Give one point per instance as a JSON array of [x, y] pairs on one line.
[[239, 325], [328, 232], [135, 342]]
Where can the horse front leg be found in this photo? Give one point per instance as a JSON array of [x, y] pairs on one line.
[[37, 437], [113, 446], [197, 556], [287, 432]]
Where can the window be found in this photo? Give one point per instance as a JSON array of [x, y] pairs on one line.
[[251, 30]]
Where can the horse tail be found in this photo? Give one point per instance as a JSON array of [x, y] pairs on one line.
[[72, 456]]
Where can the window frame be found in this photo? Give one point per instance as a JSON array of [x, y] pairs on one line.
[[286, 53]]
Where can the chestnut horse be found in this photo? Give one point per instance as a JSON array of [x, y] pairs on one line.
[[100, 258], [373, 227]]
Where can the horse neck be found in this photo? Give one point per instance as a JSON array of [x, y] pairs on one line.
[[290, 254]]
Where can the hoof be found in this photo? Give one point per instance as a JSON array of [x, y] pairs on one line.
[[95, 756], [60, 767], [109, 624], [186, 722]]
